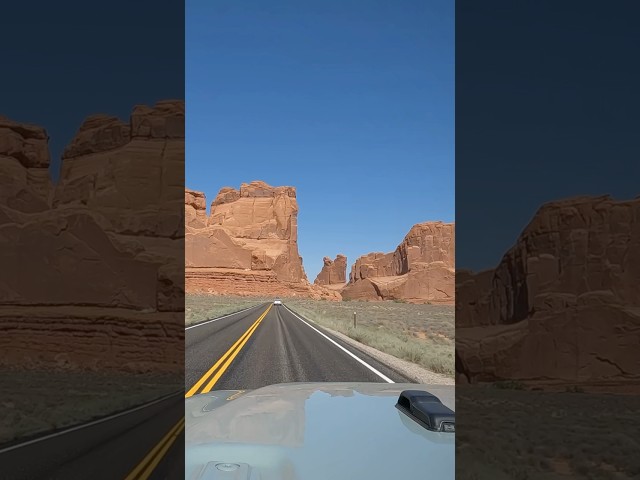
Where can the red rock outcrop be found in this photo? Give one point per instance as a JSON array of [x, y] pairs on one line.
[[334, 272], [92, 261], [195, 209], [564, 302], [25, 185], [251, 237], [420, 270]]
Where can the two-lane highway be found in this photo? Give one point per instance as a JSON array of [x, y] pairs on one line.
[[269, 344], [142, 443]]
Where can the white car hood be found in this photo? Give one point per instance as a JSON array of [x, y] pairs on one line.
[[315, 431]]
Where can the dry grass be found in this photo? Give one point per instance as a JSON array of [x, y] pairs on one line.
[[38, 402], [204, 307], [421, 334], [507, 433]]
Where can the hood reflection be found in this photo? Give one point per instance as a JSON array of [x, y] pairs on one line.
[[262, 419], [272, 415]]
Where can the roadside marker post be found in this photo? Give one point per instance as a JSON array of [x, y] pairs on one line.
[[354, 320]]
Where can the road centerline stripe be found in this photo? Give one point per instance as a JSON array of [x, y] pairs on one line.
[[144, 469], [374, 370], [232, 352], [88, 424], [222, 369]]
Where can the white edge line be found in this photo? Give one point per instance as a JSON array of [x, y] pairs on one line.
[[381, 375], [89, 424], [220, 318]]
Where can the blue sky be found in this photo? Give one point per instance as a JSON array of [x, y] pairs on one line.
[[351, 102], [83, 68], [541, 116]]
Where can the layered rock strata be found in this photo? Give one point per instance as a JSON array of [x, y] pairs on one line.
[[247, 245], [90, 278]]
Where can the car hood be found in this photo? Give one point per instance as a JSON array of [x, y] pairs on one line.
[[314, 431]]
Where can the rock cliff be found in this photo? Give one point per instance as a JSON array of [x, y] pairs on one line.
[[195, 209], [247, 245], [91, 262], [24, 167], [333, 273], [420, 270], [564, 302]]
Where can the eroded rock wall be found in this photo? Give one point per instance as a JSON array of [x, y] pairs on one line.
[[93, 260], [253, 232], [420, 270], [334, 272], [564, 301]]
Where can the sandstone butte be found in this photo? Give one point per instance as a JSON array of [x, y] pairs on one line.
[[420, 270], [247, 245], [333, 274], [89, 279], [563, 305]]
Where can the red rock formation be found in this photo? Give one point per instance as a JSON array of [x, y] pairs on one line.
[[333, 273], [420, 270], [195, 209], [25, 185], [563, 302], [252, 232], [92, 262]]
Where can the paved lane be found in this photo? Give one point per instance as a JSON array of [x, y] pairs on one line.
[[270, 344], [146, 442]]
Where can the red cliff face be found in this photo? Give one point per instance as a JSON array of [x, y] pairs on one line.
[[334, 272], [247, 245], [25, 184], [562, 297], [94, 253], [420, 270]]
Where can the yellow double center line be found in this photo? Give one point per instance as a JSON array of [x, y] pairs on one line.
[[146, 467], [215, 372]]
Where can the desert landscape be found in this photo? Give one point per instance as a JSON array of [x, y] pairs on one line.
[[91, 293], [420, 334], [244, 252], [248, 245], [550, 337]]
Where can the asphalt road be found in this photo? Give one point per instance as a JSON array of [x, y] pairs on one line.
[[270, 344], [143, 443]]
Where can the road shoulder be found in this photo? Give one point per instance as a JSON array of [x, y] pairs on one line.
[[410, 370]]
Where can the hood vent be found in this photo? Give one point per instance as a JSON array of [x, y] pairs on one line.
[[427, 410]]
